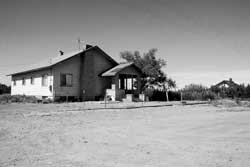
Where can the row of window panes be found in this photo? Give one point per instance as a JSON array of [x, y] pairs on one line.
[[65, 79], [32, 81]]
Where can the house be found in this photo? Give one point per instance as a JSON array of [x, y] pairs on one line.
[[226, 88], [86, 75], [226, 84]]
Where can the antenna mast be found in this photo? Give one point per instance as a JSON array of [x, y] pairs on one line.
[[79, 43]]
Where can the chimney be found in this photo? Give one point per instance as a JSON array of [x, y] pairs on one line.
[[61, 53], [230, 79], [88, 46]]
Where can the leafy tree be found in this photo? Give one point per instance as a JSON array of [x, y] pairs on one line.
[[4, 89], [151, 68], [168, 84], [247, 91]]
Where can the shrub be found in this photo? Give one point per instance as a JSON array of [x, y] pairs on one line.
[[7, 98], [197, 92], [174, 96], [240, 91], [160, 95]]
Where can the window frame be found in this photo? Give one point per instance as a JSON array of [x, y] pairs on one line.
[[43, 81], [65, 84], [32, 81], [14, 82], [23, 81]]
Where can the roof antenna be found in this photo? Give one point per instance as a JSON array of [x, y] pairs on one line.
[[79, 42]]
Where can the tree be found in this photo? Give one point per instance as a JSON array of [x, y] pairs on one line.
[[150, 66], [151, 69], [247, 91], [4, 89], [168, 85]]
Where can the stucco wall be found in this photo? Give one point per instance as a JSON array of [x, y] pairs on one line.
[[28, 89], [69, 66]]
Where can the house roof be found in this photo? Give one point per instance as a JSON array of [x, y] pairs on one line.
[[52, 61], [229, 82], [113, 71]]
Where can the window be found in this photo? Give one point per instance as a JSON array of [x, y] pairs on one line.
[[45, 80], [134, 83], [66, 80], [32, 80], [129, 83], [14, 82], [23, 81]]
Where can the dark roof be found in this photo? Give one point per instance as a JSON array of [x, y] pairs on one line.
[[113, 71], [50, 62], [229, 82]]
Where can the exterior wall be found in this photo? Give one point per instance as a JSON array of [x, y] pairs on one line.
[[93, 85], [32, 90], [69, 66], [87, 81], [85, 69], [131, 70]]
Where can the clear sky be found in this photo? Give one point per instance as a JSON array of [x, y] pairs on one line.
[[203, 41]]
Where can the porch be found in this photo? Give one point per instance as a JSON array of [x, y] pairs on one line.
[[126, 82]]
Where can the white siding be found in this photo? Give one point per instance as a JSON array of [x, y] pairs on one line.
[[35, 89]]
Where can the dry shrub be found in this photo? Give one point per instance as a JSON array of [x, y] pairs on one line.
[[7, 98]]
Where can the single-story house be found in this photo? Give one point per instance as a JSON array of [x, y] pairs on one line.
[[86, 75], [226, 88], [226, 84]]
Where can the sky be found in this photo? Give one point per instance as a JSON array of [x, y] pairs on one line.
[[202, 41]]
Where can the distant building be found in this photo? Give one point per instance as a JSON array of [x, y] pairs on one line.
[[85, 75], [226, 88], [226, 84]]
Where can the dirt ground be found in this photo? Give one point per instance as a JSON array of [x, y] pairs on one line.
[[69, 135]]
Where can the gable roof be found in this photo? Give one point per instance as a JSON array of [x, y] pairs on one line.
[[113, 71], [53, 61], [229, 82]]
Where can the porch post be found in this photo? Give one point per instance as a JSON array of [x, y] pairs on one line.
[[138, 83]]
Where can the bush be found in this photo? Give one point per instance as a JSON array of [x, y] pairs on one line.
[[158, 95], [197, 92], [174, 96], [7, 98], [240, 91]]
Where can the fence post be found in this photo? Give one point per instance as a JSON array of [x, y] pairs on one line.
[[105, 98], [181, 96]]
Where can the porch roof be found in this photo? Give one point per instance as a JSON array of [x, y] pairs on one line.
[[113, 71]]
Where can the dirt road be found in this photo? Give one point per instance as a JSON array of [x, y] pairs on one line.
[[177, 136]]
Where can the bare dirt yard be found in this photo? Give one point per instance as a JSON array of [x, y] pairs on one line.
[[84, 134]]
